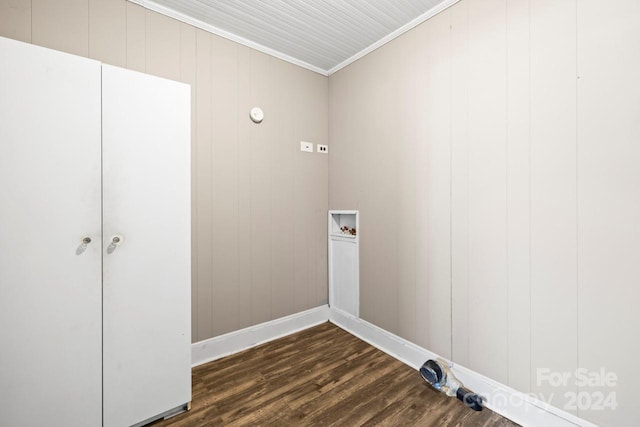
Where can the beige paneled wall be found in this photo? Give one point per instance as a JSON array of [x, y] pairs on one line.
[[259, 204], [553, 181], [487, 204], [608, 200], [518, 197], [492, 152]]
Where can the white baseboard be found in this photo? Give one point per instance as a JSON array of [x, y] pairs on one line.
[[236, 341], [500, 398], [504, 400]]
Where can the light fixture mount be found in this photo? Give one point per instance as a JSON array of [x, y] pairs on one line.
[[256, 114]]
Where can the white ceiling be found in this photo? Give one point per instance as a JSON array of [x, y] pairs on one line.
[[322, 35]]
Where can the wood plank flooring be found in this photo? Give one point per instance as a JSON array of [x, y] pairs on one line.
[[321, 376]]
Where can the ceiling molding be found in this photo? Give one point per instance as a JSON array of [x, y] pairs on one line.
[[152, 5], [397, 33]]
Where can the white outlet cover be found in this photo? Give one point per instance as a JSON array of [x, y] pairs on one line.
[[324, 149]]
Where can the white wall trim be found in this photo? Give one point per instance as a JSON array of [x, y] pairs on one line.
[[151, 5], [504, 400], [519, 407], [236, 341], [397, 33]]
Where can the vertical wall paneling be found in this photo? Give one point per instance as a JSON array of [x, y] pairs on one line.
[[361, 132], [302, 253], [380, 215], [362, 138], [163, 46], [282, 178], [15, 19], [318, 125], [342, 167], [437, 116], [311, 170], [108, 31], [487, 189], [136, 37], [608, 208], [405, 224], [422, 301], [387, 193], [553, 196], [245, 126], [224, 164], [188, 75], [459, 183], [303, 186], [61, 25], [519, 331], [543, 209], [203, 245], [260, 74]]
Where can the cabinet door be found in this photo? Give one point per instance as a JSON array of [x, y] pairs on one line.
[[344, 288], [147, 275], [50, 284]]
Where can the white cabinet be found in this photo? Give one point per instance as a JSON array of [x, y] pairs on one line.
[[93, 333], [50, 297], [147, 275], [344, 243]]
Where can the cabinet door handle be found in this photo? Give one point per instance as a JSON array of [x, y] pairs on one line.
[[83, 245], [115, 241]]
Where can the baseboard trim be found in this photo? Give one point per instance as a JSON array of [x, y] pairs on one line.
[[236, 341], [500, 398], [512, 404]]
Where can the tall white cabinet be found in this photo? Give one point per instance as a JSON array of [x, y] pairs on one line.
[[94, 242]]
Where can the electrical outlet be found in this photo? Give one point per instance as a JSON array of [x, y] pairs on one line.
[[306, 146], [323, 148]]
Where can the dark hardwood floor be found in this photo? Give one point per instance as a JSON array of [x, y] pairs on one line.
[[322, 376]]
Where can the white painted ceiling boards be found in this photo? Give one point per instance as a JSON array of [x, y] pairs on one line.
[[322, 35]]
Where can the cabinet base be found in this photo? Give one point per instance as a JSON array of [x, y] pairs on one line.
[[166, 415]]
